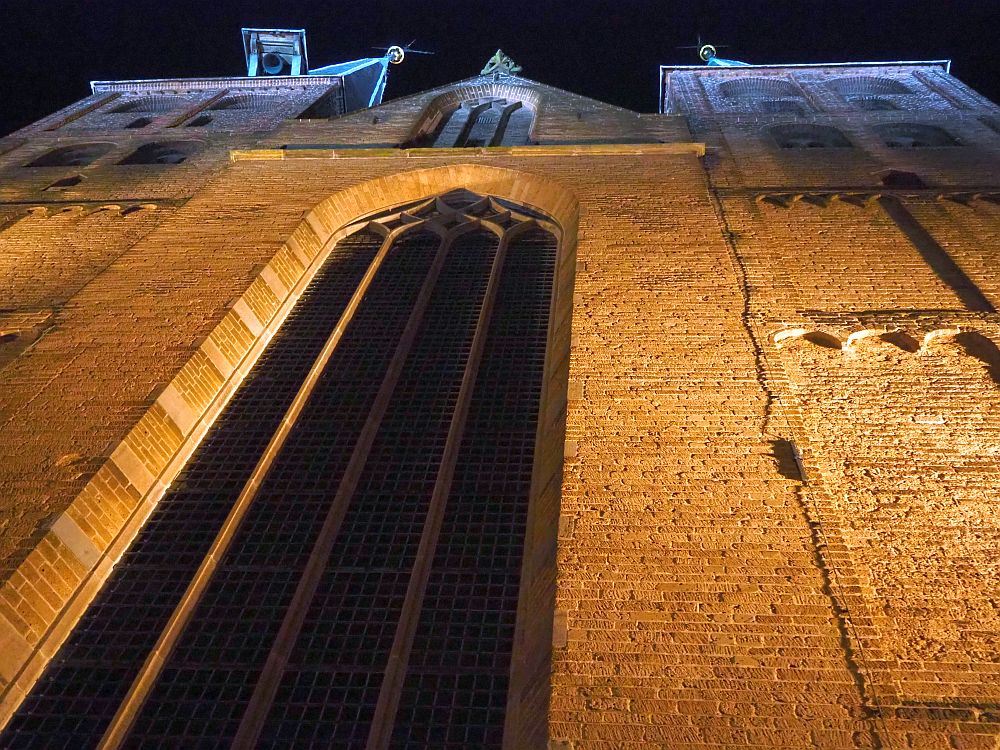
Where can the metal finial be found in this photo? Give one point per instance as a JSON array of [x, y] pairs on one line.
[[500, 64], [397, 52]]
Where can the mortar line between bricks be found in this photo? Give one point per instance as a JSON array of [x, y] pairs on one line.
[[59, 308], [873, 715]]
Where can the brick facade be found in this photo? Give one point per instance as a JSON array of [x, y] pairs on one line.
[[761, 508]]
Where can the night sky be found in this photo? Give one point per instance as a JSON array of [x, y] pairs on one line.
[[606, 50]]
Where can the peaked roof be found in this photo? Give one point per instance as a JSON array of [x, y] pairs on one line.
[[364, 80]]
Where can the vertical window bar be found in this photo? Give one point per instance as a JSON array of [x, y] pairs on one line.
[[395, 672], [267, 686], [76, 697], [456, 690]]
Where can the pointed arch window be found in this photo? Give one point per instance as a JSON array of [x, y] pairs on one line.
[[490, 121], [370, 588]]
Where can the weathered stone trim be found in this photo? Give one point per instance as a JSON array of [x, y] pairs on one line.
[[582, 149]]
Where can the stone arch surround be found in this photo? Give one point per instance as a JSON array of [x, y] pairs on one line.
[[85, 541]]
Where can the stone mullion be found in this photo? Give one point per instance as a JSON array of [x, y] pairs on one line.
[[395, 670], [470, 124], [142, 686], [501, 129], [277, 660]]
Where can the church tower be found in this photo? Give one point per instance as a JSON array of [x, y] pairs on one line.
[[495, 416]]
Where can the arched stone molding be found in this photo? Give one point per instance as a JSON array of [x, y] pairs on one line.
[[822, 199], [960, 341], [79, 210], [85, 541]]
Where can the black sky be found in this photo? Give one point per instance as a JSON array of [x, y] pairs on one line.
[[606, 50]]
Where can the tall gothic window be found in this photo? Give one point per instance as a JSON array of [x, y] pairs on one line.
[[367, 595]]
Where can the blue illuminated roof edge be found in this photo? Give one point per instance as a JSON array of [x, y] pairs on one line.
[[258, 81]]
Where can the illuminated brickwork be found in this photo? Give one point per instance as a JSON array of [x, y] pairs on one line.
[[761, 507]]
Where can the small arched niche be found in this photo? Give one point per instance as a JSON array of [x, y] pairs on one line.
[[850, 86], [149, 104], [808, 136], [78, 155], [492, 115], [170, 152], [873, 103], [914, 135], [781, 107], [745, 89], [249, 102]]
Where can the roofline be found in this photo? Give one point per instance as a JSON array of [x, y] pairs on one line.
[[945, 64], [362, 63], [488, 78], [254, 81]]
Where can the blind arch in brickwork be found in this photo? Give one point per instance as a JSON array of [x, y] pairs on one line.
[[746, 89], [914, 135], [781, 106], [868, 86], [873, 103], [150, 105], [808, 136], [165, 152], [249, 102], [77, 155]]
